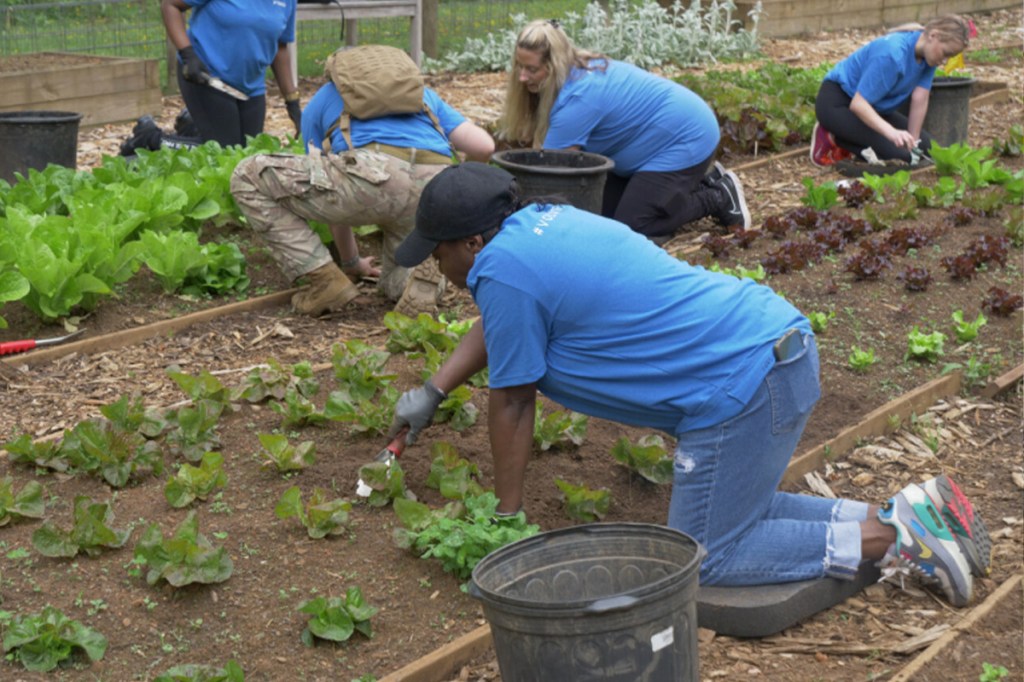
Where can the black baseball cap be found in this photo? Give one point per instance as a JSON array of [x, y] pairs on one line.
[[460, 201]]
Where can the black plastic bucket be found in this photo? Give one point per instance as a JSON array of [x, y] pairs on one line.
[[615, 602], [577, 176], [34, 139], [949, 109]]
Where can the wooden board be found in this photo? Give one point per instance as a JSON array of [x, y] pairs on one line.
[[103, 89]]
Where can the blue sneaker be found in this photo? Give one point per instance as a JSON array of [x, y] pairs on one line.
[[925, 545], [964, 522]]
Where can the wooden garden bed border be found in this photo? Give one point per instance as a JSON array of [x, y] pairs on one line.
[[446, 661]]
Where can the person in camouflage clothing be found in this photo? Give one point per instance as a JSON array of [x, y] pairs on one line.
[[377, 182]]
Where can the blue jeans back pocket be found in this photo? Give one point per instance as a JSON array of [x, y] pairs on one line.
[[794, 388]]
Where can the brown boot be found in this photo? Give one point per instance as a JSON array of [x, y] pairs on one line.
[[329, 290], [422, 291]]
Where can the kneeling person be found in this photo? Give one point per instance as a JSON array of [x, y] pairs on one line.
[[377, 179]]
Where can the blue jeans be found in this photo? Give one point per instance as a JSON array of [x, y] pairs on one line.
[[725, 491]]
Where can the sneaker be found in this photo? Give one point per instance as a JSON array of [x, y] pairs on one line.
[[967, 527], [715, 174], [924, 545], [824, 150], [734, 211]]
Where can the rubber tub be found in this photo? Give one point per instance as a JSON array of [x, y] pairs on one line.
[[615, 602], [578, 177], [35, 139]]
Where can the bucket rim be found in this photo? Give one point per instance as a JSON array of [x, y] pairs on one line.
[[40, 116], [946, 81], [489, 596], [605, 166]]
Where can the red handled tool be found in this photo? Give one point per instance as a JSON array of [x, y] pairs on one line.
[[11, 347], [389, 454]]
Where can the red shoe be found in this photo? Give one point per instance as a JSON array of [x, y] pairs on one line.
[[824, 150]]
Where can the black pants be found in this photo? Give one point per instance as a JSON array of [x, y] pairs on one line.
[[832, 107], [657, 204], [221, 117]]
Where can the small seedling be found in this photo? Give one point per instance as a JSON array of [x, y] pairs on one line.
[[861, 360], [337, 618], [583, 504], [321, 517], [558, 429], [819, 321], [992, 673], [90, 532], [648, 458], [967, 331], [26, 503], [185, 557], [924, 347], [192, 483], [42, 640], [193, 672], [278, 453]]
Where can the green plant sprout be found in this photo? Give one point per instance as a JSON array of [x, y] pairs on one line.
[[861, 360], [297, 410], [457, 410], [924, 347], [278, 453], [41, 641], [819, 197], [337, 618], [321, 517], [191, 483], [195, 672], [90, 532], [819, 321], [558, 429], [992, 673], [967, 331], [648, 458], [582, 503], [183, 558], [359, 369], [26, 503], [454, 476]]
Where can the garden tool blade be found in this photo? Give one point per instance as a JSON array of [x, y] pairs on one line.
[[218, 84], [11, 347], [389, 454]]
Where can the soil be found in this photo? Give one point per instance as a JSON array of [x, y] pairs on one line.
[[252, 617]]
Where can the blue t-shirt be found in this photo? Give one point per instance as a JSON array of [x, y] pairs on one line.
[[401, 130], [884, 72], [238, 39], [608, 324], [641, 121]]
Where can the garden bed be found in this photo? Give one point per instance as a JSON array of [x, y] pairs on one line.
[[252, 616]]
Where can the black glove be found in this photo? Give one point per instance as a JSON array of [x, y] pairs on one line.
[[416, 409], [294, 108], [192, 67]]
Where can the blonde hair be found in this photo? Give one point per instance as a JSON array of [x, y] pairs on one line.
[[526, 115], [948, 28]]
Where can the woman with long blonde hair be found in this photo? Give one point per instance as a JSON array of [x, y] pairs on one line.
[[858, 102], [661, 136]]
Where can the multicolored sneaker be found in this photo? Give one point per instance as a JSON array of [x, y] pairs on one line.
[[925, 545], [824, 150], [968, 529]]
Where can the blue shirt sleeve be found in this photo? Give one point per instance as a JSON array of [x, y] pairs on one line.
[[516, 333]]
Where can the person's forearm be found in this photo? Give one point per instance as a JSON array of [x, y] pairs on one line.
[[282, 68], [468, 358], [863, 110], [918, 110], [345, 240], [510, 420]]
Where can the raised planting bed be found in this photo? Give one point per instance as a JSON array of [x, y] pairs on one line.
[[103, 89]]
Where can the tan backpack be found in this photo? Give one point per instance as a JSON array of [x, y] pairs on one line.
[[375, 81]]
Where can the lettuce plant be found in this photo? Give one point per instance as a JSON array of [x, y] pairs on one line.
[[183, 558], [41, 641], [861, 360], [321, 516], [297, 410], [967, 331], [454, 476], [46, 454], [409, 335], [26, 503], [924, 347], [191, 483], [558, 429], [337, 618], [194, 672], [648, 458], [278, 453], [359, 369], [583, 504], [90, 532]]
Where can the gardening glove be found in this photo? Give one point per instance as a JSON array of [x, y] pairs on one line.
[[192, 67], [294, 108], [416, 409]]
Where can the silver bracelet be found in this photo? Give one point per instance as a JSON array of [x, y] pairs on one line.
[[346, 264]]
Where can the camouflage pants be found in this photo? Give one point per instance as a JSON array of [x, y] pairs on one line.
[[279, 193]]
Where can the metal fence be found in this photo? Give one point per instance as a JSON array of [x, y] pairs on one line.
[[133, 28]]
